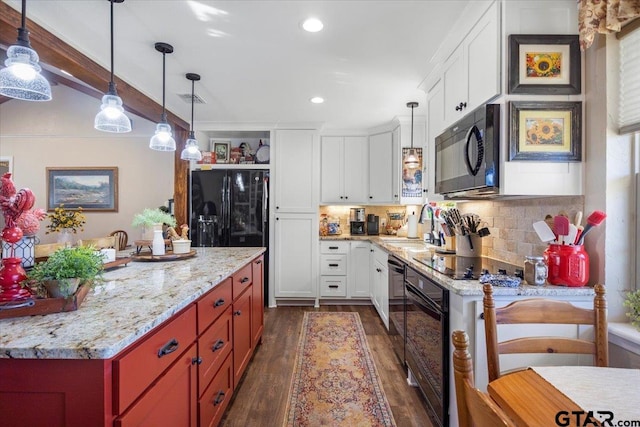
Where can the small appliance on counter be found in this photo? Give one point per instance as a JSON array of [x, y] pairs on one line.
[[356, 220], [373, 225]]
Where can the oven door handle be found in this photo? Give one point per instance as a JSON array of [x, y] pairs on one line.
[[421, 299], [395, 265]]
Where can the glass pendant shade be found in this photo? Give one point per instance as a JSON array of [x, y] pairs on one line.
[[411, 161], [21, 79], [191, 150], [163, 140], [111, 117]]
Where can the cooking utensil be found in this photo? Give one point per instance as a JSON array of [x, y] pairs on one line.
[[571, 235], [578, 219], [595, 219], [544, 231], [561, 227]]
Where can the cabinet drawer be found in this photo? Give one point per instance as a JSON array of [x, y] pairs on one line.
[[217, 396], [171, 401], [213, 304], [333, 265], [333, 286], [242, 280], [135, 370], [213, 347], [331, 247]]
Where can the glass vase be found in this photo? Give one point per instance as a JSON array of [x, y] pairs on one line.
[[65, 236]]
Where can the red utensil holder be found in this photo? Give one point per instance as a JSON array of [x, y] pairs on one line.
[[568, 265]]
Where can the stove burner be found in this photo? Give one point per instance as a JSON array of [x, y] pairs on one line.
[[468, 268]]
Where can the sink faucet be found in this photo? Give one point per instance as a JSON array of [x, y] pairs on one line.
[[433, 238]]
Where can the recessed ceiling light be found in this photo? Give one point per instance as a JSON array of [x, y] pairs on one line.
[[317, 100], [312, 25]]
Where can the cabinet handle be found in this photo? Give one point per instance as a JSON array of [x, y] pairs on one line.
[[346, 197], [168, 348], [461, 106], [333, 247], [259, 261], [218, 345], [244, 280], [219, 302], [481, 316], [333, 286], [371, 197], [370, 250], [219, 398], [237, 313], [196, 361], [334, 265], [277, 207], [277, 219], [395, 195], [341, 197], [378, 270]]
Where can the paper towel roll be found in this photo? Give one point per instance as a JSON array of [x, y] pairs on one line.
[[412, 228]]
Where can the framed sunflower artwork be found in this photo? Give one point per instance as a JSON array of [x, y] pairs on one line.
[[545, 131], [544, 64]]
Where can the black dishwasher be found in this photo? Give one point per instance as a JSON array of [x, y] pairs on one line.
[[427, 341], [396, 306]]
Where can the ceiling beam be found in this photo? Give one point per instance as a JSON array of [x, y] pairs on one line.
[[57, 53]]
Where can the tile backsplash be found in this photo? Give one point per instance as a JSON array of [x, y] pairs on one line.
[[509, 221]]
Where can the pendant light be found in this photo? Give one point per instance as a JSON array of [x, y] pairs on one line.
[[162, 140], [111, 117], [191, 149], [21, 79], [411, 161]]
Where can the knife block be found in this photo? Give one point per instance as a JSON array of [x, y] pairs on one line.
[[464, 248]]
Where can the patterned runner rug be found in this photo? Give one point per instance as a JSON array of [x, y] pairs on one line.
[[335, 381]]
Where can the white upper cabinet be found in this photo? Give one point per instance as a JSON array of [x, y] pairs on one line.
[[383, 181], [471, 75], [435, 125], [296, 171], [344, 169]]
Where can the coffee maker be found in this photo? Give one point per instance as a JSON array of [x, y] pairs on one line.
[[356, 220], [373, 225]]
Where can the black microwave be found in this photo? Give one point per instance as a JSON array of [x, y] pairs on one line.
[[467, 155]]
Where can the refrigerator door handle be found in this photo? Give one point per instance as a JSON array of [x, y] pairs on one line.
[[228, 207]]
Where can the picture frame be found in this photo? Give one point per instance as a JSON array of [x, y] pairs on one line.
[[222, 150], [6, 165], [545, 131], [90, 188], [544, 64]]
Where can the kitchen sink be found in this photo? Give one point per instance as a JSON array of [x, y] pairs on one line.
[[415, 246]]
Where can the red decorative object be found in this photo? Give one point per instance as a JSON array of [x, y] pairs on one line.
[[11, 274]]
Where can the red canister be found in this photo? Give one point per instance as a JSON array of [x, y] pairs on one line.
[[568, 265]]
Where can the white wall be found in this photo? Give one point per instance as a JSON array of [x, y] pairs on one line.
[[60, 133]]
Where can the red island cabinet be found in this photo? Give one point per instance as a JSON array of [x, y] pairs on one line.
[[182, 373]]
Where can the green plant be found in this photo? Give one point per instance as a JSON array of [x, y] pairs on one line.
[[632, 302], [148, 217], [82, 262]]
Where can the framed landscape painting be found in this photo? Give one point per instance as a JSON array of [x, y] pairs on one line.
[[91, 188], [544, 64], [545, 131]]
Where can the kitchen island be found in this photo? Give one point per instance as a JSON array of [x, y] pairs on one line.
[[154, 332]]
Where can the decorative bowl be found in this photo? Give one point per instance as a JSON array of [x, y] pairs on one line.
[[181, 246]]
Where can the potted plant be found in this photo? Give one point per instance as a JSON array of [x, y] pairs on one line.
[[149, 217], [66, 269], [632, 302]]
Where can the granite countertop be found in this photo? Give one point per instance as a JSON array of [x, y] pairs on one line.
[[461, 287], [133, 300]]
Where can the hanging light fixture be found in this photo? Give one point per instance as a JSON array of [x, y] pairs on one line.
[[191, 149], [162, 140], [411, 161], [21, 79], [111, 117]]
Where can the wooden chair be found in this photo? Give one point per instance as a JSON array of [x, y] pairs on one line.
[[545, 311], [122, 238], [474, 407], [99, 242]]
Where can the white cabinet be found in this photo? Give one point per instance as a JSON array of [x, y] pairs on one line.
[[343, 169], [471, 75], [380, 283], [359, 267], [296, 255], [383, 169], [296, 171], [435, 126]]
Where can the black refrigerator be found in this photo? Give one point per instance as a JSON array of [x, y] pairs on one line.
[[229, 207]]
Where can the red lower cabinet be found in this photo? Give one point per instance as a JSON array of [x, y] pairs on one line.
[[171, 401], [216, 398], [242, 342]]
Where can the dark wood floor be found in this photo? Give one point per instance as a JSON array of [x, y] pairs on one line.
[[261, 398]]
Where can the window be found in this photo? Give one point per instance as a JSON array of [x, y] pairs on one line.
[[629, 108]]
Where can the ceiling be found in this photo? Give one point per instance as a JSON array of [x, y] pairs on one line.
[[257, 65]]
